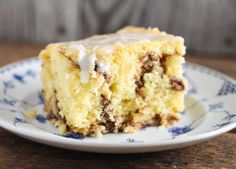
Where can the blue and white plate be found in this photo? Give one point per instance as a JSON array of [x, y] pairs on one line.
[[210, 111]]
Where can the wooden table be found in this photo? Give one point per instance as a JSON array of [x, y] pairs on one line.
[[18, 153]]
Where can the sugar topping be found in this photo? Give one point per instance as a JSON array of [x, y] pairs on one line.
[[125, 38], [103, 68], [87, 49], [85, 61], [109, 39], [102, 40]]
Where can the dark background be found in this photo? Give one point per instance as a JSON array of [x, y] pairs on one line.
[[208, 26]]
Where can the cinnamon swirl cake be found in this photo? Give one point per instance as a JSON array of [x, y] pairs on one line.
[[113, 83]]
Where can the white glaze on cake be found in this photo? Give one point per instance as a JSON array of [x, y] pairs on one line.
[[85, 61], [103, 68]]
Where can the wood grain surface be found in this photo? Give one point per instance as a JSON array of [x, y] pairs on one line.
[[207, 25], [19, 153]]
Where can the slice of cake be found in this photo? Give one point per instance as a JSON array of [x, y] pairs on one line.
[[113, 83]]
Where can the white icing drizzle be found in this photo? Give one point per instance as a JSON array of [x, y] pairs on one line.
[[102, 40], [103, 68], [67, 76], [125, 38], [109, 39], [86, 62]]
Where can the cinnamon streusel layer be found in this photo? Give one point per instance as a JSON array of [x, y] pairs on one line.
[[113, 83]]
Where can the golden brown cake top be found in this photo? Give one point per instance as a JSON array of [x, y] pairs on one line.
[[100, 47], [124, 35]]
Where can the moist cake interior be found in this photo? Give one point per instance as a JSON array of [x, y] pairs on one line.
[[114, 83]]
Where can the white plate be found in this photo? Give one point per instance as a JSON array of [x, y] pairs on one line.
[[210, 111]]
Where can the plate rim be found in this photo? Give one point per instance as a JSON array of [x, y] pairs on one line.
[[45, 137], [59, 139]]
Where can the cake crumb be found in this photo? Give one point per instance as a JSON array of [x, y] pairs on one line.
[[32, 113], [177, 84], [62, 128]]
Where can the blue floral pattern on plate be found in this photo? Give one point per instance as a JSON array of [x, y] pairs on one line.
[[208, 110]]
